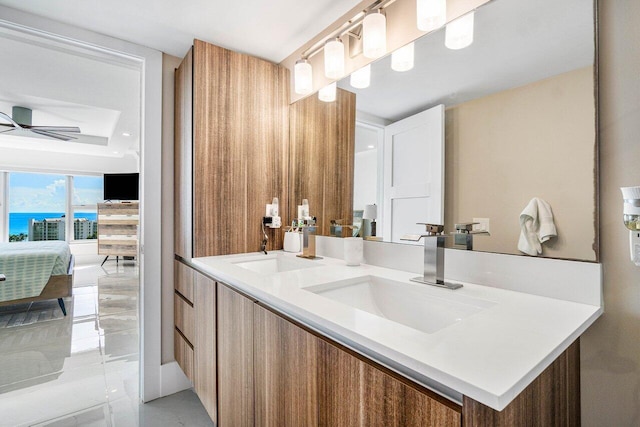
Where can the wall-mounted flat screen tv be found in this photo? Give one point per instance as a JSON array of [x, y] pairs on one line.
[[121, 186]]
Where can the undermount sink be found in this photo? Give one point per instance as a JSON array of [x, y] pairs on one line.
[[276, 264], [403, 303]]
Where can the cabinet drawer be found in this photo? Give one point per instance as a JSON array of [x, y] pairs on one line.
[[184, 276], [184, 317], [183, 352]]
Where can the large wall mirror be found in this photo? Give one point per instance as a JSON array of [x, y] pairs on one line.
[[514, 114]]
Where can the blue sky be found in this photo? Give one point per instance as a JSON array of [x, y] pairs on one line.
[[29, 192]]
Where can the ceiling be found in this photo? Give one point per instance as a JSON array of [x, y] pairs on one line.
[[267, 29], [70, 87], [515, 42]]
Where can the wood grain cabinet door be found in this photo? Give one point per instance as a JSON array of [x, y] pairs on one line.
[[205, 343], [286, 372], [356, 393], [235, 358]]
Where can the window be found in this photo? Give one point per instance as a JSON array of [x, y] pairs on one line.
[[87, 193], [52, 207], [36, 207]]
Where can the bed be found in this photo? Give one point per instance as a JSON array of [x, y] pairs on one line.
[[35, 271]]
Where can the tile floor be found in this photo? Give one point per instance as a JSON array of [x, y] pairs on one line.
[[82, 369]]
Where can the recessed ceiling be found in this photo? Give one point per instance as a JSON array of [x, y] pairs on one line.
[[70, 87], [266, 29]]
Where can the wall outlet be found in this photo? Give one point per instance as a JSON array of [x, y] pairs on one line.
[[483, 224]]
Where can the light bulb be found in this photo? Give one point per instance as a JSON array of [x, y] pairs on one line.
[[431, 14], [334, 58], [374, 35], [328, 93], [303, 73], [402, 59], [459, 33], [361, 78]]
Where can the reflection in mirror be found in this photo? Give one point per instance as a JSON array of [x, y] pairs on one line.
[[519, 123]]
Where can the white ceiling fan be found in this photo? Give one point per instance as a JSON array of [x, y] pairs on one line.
[[19, 124]]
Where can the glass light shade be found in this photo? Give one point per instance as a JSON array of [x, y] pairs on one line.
[[334, 58], [374, 35], [402, 59], [459, 33], [431, 14], [361, 78], [328, 93], [303, 74]]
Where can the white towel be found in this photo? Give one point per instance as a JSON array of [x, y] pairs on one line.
[[536, 223]]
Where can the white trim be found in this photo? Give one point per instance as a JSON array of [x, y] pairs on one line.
[[68, 209], [4, 207], [150, 60]]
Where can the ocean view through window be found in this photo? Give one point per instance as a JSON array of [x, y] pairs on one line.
[[37, 207]]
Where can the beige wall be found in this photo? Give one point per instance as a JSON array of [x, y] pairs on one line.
[[533, 141], [611, 347], [169, 64]]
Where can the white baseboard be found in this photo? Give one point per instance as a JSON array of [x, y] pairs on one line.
[[172, 379]]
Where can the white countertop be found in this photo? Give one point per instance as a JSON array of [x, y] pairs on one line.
[[490, 356]]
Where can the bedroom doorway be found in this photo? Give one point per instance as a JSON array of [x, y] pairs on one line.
[[55, 40]]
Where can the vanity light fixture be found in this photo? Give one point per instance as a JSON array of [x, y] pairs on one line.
[[328, 93], [431, 14], [459, 33], [334, 58], [126, 134], [361, 78], [374, 34], [402, 59], [303, 77]]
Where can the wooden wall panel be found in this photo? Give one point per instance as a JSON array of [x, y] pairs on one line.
[[235, 359], [552, 399], [183, 154], [241, 134], [286, 372], [322, 147]]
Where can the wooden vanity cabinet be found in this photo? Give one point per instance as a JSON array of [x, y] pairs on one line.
[[235, 358], [302, 379], [195, 332], [272, 372]]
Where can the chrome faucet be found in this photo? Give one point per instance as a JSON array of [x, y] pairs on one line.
[[433, 257]]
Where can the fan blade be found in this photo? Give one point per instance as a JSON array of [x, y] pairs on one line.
[[70, 129], [10, 120], [53, 135]]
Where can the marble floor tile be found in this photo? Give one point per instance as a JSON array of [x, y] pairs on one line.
[[83, 369]]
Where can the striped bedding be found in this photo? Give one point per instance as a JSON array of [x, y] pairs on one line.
[[28, 266]]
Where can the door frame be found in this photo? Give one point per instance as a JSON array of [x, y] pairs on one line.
[[149, 62]]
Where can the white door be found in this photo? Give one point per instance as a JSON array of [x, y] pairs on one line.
[[413, 174]]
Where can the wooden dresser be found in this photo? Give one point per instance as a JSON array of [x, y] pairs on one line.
[[118, 229]]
